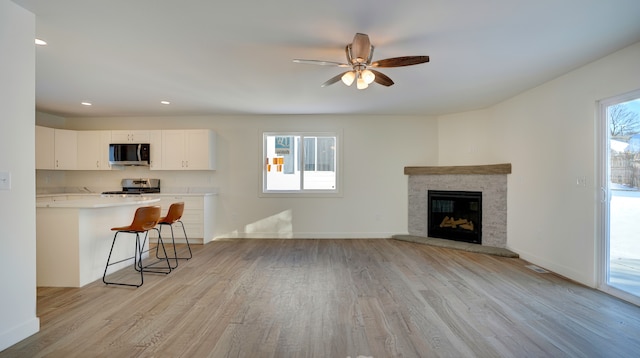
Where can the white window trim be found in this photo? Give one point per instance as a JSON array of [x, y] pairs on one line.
[[338, 192]]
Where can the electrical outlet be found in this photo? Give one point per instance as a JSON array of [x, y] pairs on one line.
[[581, 181]]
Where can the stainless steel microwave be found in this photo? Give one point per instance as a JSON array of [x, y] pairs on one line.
[[129, 154]]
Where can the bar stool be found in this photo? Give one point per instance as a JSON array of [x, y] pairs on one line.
[[174, 214], [145, 219]]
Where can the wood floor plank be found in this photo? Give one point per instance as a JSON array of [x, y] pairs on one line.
[[334, 298]]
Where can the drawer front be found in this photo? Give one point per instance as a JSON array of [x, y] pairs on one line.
[[190, 203], [193, 231], [193, 217]]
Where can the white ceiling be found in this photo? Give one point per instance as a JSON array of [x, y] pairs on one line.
[[235, 57]]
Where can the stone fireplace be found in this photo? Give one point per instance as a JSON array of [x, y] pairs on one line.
[[489, 180]]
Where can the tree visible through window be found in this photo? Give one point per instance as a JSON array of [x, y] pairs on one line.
[[300, 162]]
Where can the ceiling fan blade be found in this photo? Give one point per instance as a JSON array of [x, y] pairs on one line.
[[321, 63], [361, 47], [382, 79], [401, 61], [333, 80]]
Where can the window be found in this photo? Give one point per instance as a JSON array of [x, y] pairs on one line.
[[300, 163]]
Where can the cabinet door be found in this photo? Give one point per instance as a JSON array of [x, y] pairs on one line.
[[173, 149], [199, 149], [66, 149], [140, 136], [93, 150], [155, 149], [103, 151], [45, 158], [126, 136], [119, 137]]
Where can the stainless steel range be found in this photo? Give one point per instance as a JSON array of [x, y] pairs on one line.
[[136, 187]]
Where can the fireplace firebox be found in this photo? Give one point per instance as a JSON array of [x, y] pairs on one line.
[[455, 215]]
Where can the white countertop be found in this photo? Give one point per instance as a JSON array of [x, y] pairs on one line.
[[96, 201], [182, 194], [82, 192]]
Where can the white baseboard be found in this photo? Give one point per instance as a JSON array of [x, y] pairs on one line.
[[305, 235], [18, 333]]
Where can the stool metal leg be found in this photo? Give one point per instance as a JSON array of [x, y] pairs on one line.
[[152, 266], [173, 240], [137, 259], [187, 240]]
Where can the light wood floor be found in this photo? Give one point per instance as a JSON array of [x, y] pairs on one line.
[[335, 298]]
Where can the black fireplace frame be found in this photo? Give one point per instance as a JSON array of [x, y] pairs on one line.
[[455, 209]]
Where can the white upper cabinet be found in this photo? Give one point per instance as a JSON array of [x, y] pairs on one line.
[[66, 149], [134, 136], [56, 149], [190, 149], [93, 150], [180, 149], [173, 150], [45, 157], [155, 149]]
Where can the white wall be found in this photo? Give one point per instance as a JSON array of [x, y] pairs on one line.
[[549, 135], [375, 151], [17, 205]]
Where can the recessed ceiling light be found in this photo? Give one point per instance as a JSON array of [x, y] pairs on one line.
[[86, 103], [165, 102], [41, 42]]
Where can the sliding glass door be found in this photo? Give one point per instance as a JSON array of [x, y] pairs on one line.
[[620, 196]]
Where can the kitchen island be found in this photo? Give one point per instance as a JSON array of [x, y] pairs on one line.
[[73, 237]]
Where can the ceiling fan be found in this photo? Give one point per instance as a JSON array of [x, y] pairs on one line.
[[359, 56]]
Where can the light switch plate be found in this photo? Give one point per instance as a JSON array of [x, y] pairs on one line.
[[5, 181]]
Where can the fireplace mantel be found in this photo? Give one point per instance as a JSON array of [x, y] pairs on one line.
[[460, 170]]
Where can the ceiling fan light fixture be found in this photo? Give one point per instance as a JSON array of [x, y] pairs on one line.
[[348, 78], [361, 83], [368, 76]]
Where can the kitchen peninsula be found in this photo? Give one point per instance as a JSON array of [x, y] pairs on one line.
[[73, 236]]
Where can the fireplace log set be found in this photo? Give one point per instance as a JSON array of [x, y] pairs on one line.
[[455, 215], [455, 223]]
